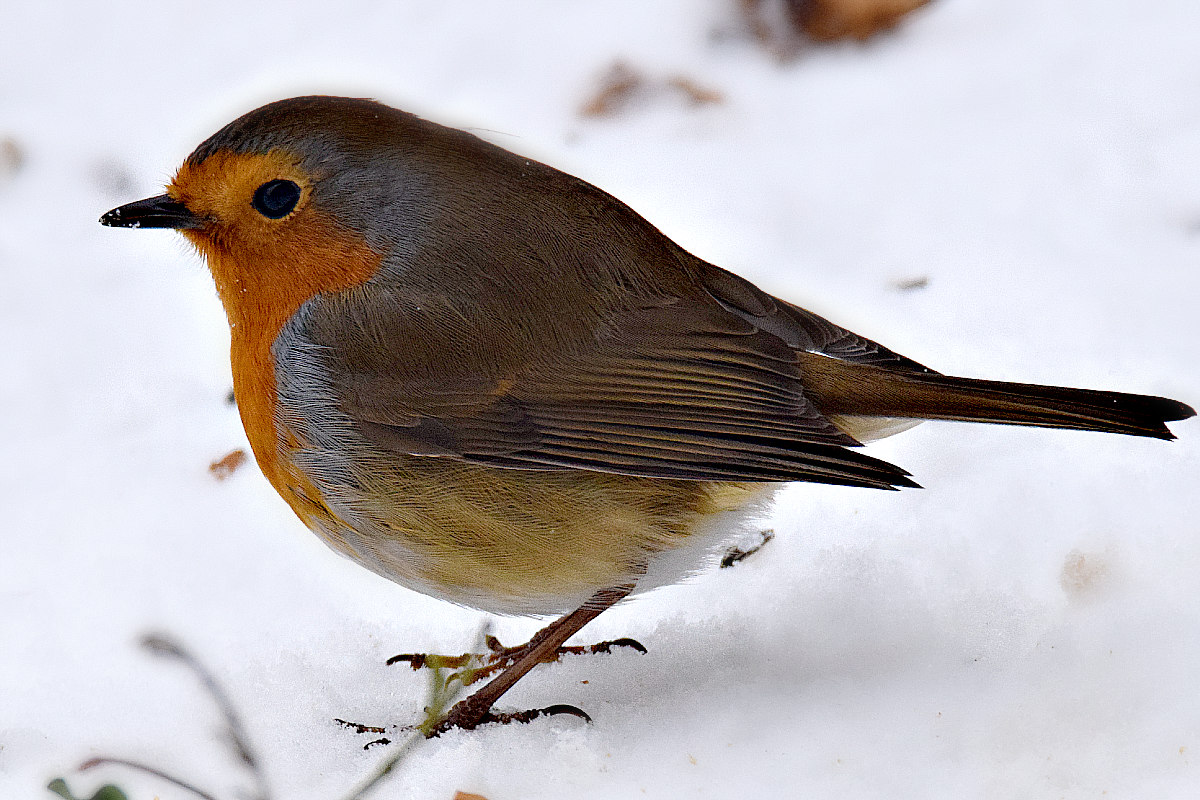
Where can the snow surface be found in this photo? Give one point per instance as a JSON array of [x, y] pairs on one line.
[[1027, 626]]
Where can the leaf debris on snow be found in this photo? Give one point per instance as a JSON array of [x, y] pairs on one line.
[[228, 464], [622, 86], [783, 25]]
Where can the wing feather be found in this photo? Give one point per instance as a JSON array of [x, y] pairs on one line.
[[667, 391]]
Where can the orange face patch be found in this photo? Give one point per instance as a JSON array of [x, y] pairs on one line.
[[265, 269], [221, 187], [266, 266]]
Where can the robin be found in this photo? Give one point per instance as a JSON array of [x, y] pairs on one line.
[[493, 383]]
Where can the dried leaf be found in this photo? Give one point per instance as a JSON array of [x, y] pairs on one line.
[[617, 88], [831, 20], [783, 26], [224, 467], [622, 86], [695, 94]]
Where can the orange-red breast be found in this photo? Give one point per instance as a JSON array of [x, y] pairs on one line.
[[494, 383]]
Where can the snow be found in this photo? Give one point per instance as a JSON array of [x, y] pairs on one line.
[[1026, 626]]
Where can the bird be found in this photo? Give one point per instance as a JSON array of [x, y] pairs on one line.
[[492, 382]]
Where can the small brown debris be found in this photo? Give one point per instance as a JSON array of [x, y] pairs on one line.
[[911, 284], [617, 87], [622, 86], [226, 466], [1084, 574], [783, 26], [694, 93], [468, 796], [12, 157], [831, 20], [358, 727]]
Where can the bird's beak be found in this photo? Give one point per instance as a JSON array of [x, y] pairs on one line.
[[153, 212]]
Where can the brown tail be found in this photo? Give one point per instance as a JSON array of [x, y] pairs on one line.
[[841, 388]]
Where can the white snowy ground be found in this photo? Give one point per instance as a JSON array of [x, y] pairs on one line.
[[1026, 626]]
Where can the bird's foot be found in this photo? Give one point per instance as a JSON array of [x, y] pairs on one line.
[[468, 716], [477, 710], [735, 555], [472, 667], [507, 665]]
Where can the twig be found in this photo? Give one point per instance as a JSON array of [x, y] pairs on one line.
[[164, 646], [124, 762]]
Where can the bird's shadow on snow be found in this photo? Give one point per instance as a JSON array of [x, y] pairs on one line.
[[853, 625]]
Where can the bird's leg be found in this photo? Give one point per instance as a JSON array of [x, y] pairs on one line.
[[735, 555], [544, 646]]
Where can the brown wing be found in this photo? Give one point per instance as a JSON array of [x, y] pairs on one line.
[[674, 390]]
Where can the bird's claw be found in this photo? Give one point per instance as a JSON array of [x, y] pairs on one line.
[[465, 717], [476, 666]]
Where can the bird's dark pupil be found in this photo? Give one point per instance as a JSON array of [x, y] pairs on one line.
[[276, 199]]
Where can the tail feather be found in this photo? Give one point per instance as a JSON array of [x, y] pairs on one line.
[[846, 389]]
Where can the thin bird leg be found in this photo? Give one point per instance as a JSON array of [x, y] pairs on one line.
[[476, 709]]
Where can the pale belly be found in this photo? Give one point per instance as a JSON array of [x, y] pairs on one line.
[[523, 542]]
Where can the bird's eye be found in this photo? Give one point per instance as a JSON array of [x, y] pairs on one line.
[[276, 199]]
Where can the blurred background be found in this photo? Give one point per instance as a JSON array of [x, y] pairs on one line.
[[1003, 190]]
